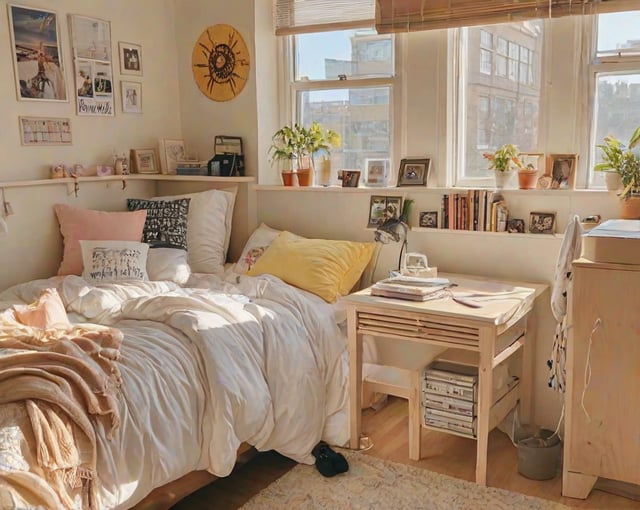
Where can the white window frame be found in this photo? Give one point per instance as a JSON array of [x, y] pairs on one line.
[[290, 109]]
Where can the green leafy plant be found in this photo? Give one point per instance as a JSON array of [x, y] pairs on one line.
[[623, 160], [297, 142], [504, 158]]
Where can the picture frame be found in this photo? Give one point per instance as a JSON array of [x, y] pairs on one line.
[[37, 63], [376, 172], [131, 92], [414, 172], [562, 170], [130, 58], [515, 226], [45, 130], [383, 207], [428, 219], [171, 151], [92, 58], [144, 161], [350, 178], [542, 222]]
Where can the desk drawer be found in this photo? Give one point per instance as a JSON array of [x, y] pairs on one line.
[[418, 326]]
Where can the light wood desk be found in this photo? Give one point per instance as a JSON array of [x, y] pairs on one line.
[[485, 336]]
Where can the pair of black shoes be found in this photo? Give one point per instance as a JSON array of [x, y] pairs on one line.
[[329, 462]]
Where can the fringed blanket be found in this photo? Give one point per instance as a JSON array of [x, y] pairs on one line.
[[64, 377]]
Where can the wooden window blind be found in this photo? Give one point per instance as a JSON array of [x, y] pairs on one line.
[[305, 16], [412, 15]]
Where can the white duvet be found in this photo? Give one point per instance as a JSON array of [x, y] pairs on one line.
[[203, 370]]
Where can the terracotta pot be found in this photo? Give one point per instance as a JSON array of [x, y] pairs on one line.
[[305, 176], [527, 179], [630, 208], [289, 178]]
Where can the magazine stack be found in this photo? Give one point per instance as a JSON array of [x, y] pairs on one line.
[[450, 397]]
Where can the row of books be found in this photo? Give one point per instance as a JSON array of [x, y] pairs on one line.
[[476, 209], [450, 397]]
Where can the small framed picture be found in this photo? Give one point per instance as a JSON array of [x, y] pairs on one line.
[[144, 161], [130, 58], [45, 130], [542, 222], [414, 172], [131, 96], [515, 226], [429, 219], [350, 178], [562, 169], [382, 208], [172, 151], [376, 172]]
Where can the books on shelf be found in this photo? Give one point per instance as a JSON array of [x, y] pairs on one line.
[[476, 209]]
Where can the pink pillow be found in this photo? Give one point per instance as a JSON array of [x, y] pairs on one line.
[[86, 224]]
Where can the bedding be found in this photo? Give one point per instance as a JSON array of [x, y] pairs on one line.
[[201, 370]]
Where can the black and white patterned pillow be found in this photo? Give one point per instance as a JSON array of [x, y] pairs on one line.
[[166, 223]]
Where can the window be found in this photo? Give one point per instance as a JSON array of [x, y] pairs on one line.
[[344, 80], [498, 109], [616, 76]]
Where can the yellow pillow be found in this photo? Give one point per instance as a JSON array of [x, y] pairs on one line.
[[326, 268]]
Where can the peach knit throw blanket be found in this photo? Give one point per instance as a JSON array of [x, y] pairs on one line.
[[66, 378]]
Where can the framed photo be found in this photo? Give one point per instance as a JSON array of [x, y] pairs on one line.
[[37, 54], [515, 226], [144, 161], [429, 219], [130, 58], [91, 40], [171, 151], [542, 222], [45, 130], [562, 170], [131, 96], [350, 178], [376, 172], [414, 172], [382, 208]]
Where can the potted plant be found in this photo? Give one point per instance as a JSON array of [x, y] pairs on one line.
[[623, 164], [502, 161], [297, 145]]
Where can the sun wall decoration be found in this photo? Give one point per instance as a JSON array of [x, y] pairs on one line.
[[220, 62]]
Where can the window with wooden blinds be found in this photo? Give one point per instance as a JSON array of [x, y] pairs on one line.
[[411, 15], [305, 16]]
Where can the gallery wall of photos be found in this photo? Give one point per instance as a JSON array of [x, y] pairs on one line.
[[41, 73]]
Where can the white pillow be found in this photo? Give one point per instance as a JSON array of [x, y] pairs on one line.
[[168, 264], [256, 245], [114, 261], [208, 228]]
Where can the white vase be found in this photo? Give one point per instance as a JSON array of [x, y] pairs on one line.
[[612, 181], [501, 178]]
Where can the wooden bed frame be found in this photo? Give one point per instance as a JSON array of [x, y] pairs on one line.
[[164, 497]]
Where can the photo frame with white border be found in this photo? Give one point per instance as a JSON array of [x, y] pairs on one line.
[[131, 92], [171, 151], [376, 172], [45, 130], [28, 59], [130, 58]]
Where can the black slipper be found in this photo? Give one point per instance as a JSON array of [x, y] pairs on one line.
[[328, 462]]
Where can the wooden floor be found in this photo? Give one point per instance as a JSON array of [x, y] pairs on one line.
[[443, 453]]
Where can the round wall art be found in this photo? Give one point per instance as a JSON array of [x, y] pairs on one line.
[[220, 62]]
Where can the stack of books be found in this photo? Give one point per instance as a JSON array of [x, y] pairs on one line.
[[450, 397], [411, 288]]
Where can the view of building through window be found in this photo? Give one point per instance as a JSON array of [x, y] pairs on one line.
[[350, 105], [500, 89]]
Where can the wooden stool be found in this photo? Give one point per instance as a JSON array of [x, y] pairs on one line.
[[402, 383]]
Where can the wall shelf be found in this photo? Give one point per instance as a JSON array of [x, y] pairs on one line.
[[130, 177], [445, 231]]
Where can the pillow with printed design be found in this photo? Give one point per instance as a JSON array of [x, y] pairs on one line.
[[114, 261], [166, 222], [256, 245]]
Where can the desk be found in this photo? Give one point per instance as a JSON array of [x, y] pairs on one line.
[[485, 336]]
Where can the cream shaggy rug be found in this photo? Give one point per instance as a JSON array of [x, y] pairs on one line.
[[372, 483]]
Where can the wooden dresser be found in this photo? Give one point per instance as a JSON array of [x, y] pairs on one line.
[[602, 428]]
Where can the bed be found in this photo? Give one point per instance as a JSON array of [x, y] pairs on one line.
[[187, 366]]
